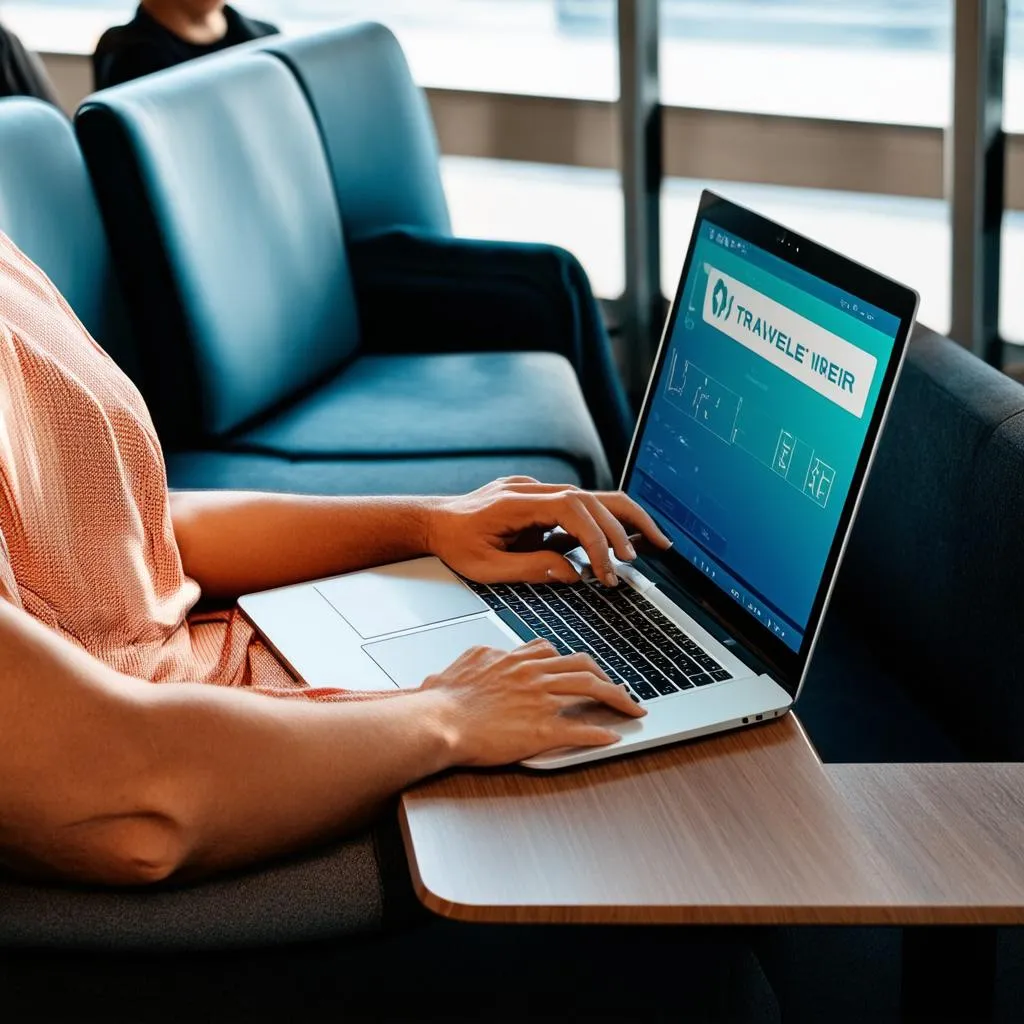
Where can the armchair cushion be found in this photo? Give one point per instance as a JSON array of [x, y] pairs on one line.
[[401, 406], [423, 292]]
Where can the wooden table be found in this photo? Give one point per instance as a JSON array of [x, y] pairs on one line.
[[746, 828]]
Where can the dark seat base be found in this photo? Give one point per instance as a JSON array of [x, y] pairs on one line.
[[438, 970]]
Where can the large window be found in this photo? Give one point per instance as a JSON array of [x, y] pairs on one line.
[[856, 60], [577, 208], [830, 115], [1011, 305], [504, 46], [814, 79]]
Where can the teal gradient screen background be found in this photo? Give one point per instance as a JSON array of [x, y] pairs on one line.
[[745, 466]]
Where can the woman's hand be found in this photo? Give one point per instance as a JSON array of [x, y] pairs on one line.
[[499, 534], [498, 707]]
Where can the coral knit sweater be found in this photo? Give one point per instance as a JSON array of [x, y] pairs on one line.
[[86, 541]]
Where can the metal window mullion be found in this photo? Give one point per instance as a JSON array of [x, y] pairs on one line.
[[975, 162], [641, 163]]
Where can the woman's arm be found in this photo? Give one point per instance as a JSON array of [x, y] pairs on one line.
[[107, 779], [235, 543]]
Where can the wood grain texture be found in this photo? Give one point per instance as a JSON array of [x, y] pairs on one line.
[[742, 828], [745, 828], [951, 836]]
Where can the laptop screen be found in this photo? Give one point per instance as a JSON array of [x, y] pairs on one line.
[[756, 424]]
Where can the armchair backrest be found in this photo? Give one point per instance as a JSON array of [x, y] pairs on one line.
[[47, 208], [376, 127], [936, 560], [221, 211]]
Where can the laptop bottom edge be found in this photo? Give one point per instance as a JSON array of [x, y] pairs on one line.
[[690, 715]]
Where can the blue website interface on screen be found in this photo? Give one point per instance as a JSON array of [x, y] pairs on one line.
[[757, 423]]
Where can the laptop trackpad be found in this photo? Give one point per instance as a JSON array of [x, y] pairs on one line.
[[410, 659], [400, 596]]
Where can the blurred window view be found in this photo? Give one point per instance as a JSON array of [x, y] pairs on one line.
[[876, 62]]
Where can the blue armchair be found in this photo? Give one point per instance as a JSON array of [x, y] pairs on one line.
[[306, 321]]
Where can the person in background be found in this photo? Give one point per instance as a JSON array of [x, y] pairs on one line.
[[21, 71], [165, 33]]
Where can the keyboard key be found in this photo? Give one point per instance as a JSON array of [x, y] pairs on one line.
[[634, 643], [662, 685], [686, 663], [680, 680], [644, 690], [706, 662]]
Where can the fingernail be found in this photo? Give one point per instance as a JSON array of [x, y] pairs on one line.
[[630, 552], [611, 580]]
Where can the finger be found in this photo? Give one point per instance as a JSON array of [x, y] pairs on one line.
[[586, 684], [584, 736], [618, 539], [576, 518], [626, 510], [527, 567], [475, 653], [517, 480], [578, 662], [539, 648], [527, 485]]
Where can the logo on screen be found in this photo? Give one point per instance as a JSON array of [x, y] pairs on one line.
[[721, 301]]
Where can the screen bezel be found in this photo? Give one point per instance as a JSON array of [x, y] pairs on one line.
[[785, 665]]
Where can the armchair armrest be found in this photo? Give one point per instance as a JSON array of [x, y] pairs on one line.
[[419, 291]]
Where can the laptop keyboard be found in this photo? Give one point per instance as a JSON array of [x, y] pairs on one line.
[[626, 635]]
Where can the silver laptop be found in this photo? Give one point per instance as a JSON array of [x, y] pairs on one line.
[[774, 376]]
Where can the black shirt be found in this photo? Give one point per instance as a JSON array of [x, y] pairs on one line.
[[144, 46], [21, 72]]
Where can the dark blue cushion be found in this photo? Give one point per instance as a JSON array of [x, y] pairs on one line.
[[220, 206], [982, 621], [376, 127], [440, 475], [47, 208], [394, 406], [936, 558], [419, 291], [855, 704]]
